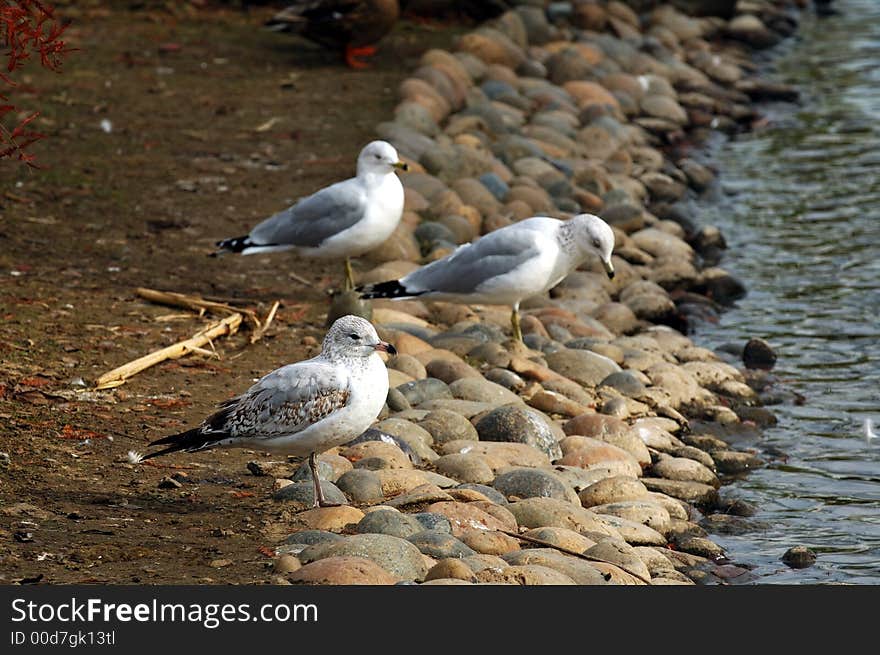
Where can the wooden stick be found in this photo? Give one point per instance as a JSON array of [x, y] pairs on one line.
[[118, 376], [194, 302], [259, 332]]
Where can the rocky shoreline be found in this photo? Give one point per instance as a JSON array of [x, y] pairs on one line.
[[595, 452]]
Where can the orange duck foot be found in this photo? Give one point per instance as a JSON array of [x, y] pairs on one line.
[[352, 53]]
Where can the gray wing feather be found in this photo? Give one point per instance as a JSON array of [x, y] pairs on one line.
[[287, 401], [472, 264], [315, 218]]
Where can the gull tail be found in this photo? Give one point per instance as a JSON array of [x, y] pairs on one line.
[[188, 441], [245, 246], [389, 289], [237, 244]]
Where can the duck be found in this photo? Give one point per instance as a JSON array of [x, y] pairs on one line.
[[353, 26]]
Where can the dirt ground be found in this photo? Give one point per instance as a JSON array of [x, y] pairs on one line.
[[167, 130]]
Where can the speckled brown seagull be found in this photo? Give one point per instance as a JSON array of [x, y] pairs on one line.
[[303, 408], [350, 25]]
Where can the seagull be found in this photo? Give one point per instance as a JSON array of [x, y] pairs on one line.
[[354, 25], [508, 265], [345, 219], [303, 408]]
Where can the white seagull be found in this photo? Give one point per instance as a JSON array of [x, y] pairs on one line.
[[345, 219], [508, 265], [303, 408]]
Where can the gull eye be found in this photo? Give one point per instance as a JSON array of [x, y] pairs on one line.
[[354, 336], [378, 156], [597, 243]]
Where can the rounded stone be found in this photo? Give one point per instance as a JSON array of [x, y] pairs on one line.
[[526, 575], [644, 511], [481, 390], [799, 557], [611, 490], [684, 469], [625, 382], [519, 425], [440, 545], [490, 353], [583, 366], [390, 453], [445, 425], [507, 379], [757, 354], [432, 521], [489, 542], [561, 538], [397, 556], [451, 371], [465, 467], [304, 492], [579, 570], [530, 482], [469, 516], [361, 485], [621, 554], [342, 570], [391, 522], [409, 365], [287, 564], [419, 391], [541, 512], [311, 537], [489, 492], [451, 567]]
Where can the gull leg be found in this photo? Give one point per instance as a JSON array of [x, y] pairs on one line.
[[349, 275], [514, 322], [320, 501]]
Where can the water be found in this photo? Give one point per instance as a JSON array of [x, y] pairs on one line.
[[801, 214]]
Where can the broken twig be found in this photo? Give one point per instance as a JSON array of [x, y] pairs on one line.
[[260, 331], [118, 376], [194, 302]]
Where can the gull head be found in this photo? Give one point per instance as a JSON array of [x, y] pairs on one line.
[[353, 336], [379, 158], [595, 234]]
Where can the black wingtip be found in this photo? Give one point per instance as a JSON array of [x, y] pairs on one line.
[[185, 441], [236, 244], [389, 289]]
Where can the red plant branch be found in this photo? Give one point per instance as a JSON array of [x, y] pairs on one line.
[[26, 27]]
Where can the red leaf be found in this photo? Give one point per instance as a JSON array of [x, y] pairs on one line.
[[81, 434], [36, 382]]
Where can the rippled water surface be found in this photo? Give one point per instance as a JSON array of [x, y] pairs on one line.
[[800, 209]]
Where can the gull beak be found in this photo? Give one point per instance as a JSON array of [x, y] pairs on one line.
[[401, 165], [609, 268], [385, 347]]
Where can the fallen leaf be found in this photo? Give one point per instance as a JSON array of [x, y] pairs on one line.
[[35, 381], [165, 403], [81, 434]]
